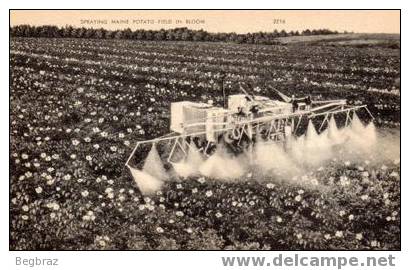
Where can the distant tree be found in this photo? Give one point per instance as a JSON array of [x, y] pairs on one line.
[[108, 34], [99, 33], [160, 35], [283, 33], [186, 35], [67, 31], [82, 32], [199, 35], [170, 34], [127, 33], [86, 33], [306, 32], [149, 35]]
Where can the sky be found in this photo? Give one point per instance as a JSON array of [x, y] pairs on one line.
[[240, 21]]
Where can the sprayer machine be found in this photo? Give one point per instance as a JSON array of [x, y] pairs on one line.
[[243, 121]]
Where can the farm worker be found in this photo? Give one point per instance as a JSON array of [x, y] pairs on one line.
[[241, 113], [308, 102], [294, 103]]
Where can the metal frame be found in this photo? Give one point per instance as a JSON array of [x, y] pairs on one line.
[[252, 125]]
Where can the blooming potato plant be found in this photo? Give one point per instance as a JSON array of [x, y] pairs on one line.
[[77, 107]]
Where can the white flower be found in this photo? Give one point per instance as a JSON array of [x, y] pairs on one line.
[[314, 181], [351, 217], [75, 142], [39, 190], [278, 219], [25, 208], [359, 236], [121, 135], [327, 236], [342, 213], [113, 148], [179, 186], [67, 177], [141, 207], [87, 139], [160, 230], [179, 214], [209, 193], [374, 243], [24, 156], [388, 218], [364, 197], [270, 185], [299, 236], [84, 193], [89, 158], [127, 143], [201, 180], [339, 234], [218, 215], [24, 217], [344, 181], [96, 146], [298, 198], [73, 156]]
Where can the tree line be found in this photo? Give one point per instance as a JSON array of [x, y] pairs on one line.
[[176, 34]]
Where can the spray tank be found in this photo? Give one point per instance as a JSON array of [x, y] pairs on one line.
[[223, 143]]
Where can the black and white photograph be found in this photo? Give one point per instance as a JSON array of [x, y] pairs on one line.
[[273, 130]]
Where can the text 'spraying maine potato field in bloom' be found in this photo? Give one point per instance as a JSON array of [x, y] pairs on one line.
[[78, 107]]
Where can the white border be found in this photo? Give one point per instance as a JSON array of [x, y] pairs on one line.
[[181, 260]]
